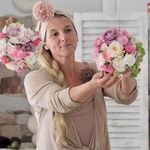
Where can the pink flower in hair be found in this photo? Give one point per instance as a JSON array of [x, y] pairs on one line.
[[43, 11]]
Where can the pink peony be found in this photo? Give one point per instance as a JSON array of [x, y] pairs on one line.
[[110, 35], [18, 54], [129, 48], [21, 54], [4, 59], [123, 33], [99, 41], [123, 40], [1, 35], [36, 42]]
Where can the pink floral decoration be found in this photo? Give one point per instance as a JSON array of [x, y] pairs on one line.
[[117, 51], [43, 11], [19, 47]]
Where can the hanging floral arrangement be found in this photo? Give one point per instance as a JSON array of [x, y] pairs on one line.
[[117, 51], [19, 47]]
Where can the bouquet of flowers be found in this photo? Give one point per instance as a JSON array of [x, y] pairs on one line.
[[117, 51], [19, 47]]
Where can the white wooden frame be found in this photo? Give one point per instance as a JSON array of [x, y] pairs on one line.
[[142, 102]]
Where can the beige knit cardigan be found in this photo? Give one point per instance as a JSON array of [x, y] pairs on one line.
[[45, 96]]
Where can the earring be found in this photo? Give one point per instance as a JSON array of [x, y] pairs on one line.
[[45, 47]]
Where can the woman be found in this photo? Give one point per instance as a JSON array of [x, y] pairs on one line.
[[68, 96]]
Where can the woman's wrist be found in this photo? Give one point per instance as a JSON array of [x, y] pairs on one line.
[[128, 85]]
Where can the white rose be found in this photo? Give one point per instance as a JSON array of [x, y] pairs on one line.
[[104, 47], [14, 40], [119, 65], [31, 59], [129, 60], [101, 59], [133, 39], [11, 66]]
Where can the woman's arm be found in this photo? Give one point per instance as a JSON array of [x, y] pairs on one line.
[[99, 80], [124, 91]]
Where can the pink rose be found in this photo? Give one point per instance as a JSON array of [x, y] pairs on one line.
[[17, 54], [4, 59], [21, 54], [106, 56], [99, 41], [12, 52], [129, 48], [123, 40], [36, 42], [106, 68], [1, 35]]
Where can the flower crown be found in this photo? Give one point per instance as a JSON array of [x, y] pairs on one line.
[[43, 11], [19, 47], [117, 51]]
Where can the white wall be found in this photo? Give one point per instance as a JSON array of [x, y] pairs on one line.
[[6, 6], [125, 5], [78, 5]]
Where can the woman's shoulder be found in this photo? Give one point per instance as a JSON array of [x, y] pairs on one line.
[[35, 72], [39, 74]]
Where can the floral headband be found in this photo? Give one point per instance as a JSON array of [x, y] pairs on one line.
[[43, 12]]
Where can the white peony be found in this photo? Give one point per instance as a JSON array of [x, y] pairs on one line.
[[129, 60], [119, 65], [133, 39], [115, 49]]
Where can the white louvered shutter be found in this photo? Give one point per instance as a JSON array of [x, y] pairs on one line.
[[128, 125]]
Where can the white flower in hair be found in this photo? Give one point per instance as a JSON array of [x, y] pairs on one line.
[[43, 11]]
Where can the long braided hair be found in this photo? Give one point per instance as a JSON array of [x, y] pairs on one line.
[[59, 123]]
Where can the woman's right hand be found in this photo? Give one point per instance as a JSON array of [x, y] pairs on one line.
[[103, 80], [99, 80]]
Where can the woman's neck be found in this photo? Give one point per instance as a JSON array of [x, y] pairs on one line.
[[69, 67]]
